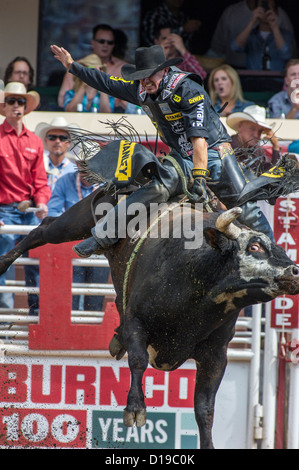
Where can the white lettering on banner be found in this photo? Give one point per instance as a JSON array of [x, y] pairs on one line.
[[287, 205], [66, 405], [89, 385], [36, 426], [283, 302], [292, 254], [285, 309], [286, 238], [283, 319], [149, 433]]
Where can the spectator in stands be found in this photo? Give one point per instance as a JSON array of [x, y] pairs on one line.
[[225, 87], [121, 44], [103, 43], [250, 126], [293, 151], [56, 139], [70, 189], [173, 45], [85, 96], [286, 102], [232, 21], [20, 70], [168, 12], [264, 40], [23, 177]]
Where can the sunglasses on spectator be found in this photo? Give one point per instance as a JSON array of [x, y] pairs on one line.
[[11, 101], [105, 41], [62, 138]]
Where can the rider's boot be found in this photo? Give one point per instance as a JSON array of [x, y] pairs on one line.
[[233, 183], [88, 247], [153, 192]]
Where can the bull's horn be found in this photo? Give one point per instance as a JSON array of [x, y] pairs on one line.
[[224, 223]]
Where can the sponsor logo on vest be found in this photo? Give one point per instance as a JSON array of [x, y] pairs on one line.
[[142, 93], [177, 98], [119, 79], [173, 117], [124, 164], [165, 108], [196, 98], [199, 116], [174, 80]]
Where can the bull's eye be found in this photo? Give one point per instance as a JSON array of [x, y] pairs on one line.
[[255, 247]]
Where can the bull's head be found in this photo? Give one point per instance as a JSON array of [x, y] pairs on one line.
[[264, 269]]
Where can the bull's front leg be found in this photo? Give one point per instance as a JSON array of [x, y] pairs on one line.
[[136, 339], [208, 379]]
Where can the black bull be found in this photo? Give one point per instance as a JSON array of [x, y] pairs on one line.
[[179, 303]]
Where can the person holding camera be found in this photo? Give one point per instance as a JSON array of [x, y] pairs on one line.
[[263, 38], [174, 46], [231, 22]]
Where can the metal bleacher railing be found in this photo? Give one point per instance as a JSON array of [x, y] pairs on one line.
[[14, 322]]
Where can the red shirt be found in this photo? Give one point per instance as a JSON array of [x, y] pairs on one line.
[[22, 171], [191, 64]]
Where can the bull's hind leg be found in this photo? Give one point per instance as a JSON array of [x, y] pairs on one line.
[[136, 338], [33, 240], [74, 224]]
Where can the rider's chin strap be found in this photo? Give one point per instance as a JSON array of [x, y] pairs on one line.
[[223, 108]]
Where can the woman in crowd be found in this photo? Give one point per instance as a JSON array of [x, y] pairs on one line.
[[225, 87]]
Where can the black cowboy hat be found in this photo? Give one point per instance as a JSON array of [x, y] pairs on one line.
[[148, 60]]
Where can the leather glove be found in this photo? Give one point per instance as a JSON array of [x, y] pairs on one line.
[[199, 190]]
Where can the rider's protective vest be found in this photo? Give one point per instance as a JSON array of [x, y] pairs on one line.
[[183, 109]]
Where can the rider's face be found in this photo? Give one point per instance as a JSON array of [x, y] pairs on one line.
[[151, 84]]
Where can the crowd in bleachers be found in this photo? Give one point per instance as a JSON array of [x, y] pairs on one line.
[[36, 168]]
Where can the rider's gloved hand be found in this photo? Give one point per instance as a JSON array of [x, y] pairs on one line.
[[199, 190]]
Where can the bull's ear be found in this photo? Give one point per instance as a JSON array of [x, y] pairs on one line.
[[217, 240]]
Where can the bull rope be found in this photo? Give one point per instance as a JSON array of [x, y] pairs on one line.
[[171, 207], [183, 178]]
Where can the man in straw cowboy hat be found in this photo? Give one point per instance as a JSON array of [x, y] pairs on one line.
[[56, 139], [180, 108], [251, 127], [23, 177]]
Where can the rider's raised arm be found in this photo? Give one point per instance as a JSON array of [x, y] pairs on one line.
[[114, 86]]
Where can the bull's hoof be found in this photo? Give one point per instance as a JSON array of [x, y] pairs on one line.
[[132, 417], [115, 348]]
